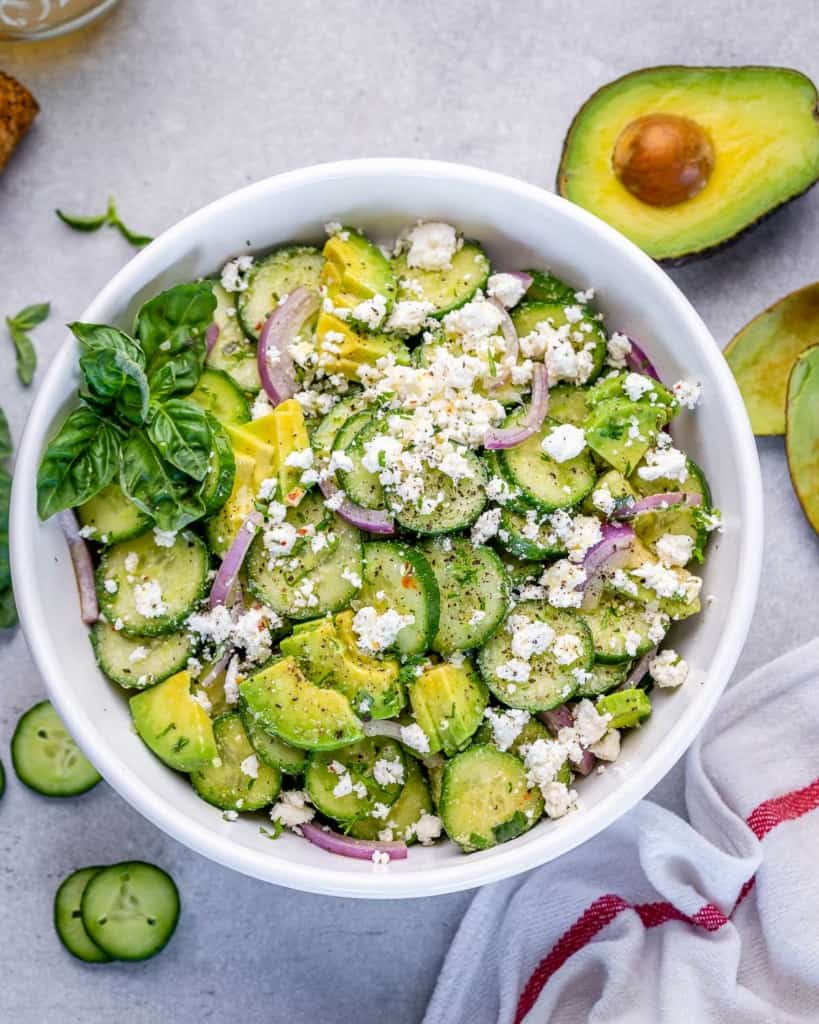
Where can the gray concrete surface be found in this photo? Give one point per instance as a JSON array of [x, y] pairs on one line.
[[169, 104]]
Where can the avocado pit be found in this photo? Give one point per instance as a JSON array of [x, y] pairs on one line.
[[663, 159]]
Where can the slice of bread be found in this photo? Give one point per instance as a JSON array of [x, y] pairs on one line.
[[18, 108]]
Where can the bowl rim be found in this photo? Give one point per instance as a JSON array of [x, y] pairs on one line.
[[462, 873]]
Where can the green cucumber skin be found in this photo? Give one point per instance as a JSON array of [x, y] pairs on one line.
[[20, 739], [92, 954]]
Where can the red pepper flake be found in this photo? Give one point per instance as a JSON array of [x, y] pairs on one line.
[[409, 583]]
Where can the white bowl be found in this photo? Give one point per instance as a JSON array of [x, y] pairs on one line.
[[521, 226]]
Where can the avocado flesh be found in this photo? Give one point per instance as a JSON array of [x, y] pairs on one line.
[[802, 437], [763, 125], [448, 702], [172, 724], [762, 354]]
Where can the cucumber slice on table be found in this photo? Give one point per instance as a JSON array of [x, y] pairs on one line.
[[273, 277], [548, 682], [485, 799], [68, 918], [445, 289], [219, 394], [46, 758], [137, 662], [462, 500], [236, 779], [397, 576], [233, 351], [473, 592], [325, 778], [130, 910], [136, 568], [112, 516]]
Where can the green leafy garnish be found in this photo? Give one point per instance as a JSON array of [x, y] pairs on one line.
[[19, 325], [132, 423], [8, 611], [110, 219]]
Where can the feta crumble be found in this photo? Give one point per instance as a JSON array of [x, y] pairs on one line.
[[432, 246], [668, 669], [506, 725], [376, 632], [564, 442]]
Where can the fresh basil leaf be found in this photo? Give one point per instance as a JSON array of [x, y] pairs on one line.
[[181, 432], [171, 322], [112, 366], [156, 488], [26, 356], [80, 223], [78, 462], [178, 374], [31, 316], [8, 609], [131, 236], [6, 447], [5, 499]]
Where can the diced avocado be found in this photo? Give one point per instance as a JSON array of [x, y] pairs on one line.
[[174, 725], [763, 353], [223, 527], [694, 483], [328, 653], [269, 440], [678, 519], [413, 802], [344, 350], [621, 431], [287, 704], [569, 404], [626, 707], [802, 436], [617, 486], [583, 334], [448, 702], [237, 779], [681, 606], [683, 159], [657, 397], [355, 269]]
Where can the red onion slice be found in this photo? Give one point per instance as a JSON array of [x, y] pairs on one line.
[[232, 562], [559, 718], [610, 552], [587, 762], [216, 669], [639, 670], [274, 358], [211, 337], [522, 276], [633, 508], [383, 728], [83, 566], [367, 519], [638, 361], [508, 437], [346, 846]]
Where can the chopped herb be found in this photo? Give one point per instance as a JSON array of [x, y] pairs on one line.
[[277, 830], [110, 218], [19, 326]]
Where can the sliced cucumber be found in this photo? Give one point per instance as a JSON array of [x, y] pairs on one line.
[[236, 779], [448, 702], [233, 351], [485, 799], [327, 786], [398, 577], [549, 682], [112, 517], [137, 662], [583, 334], [173, 724], [219, 394], [528, 534], [473, 592], [362, 486], [459, 505], [445, 289], [130, 910], [545, 287], [543, 482], [569, 404], [533, 730], [695, 483], [166, 582], [68, 918], [620, 628], [287, 704], [273, 751], [271, 278], [413, 802], [218, 484], [603, 677], [323, 436], [46, 758]]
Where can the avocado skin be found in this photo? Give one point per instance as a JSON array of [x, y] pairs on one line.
[[718, 247]]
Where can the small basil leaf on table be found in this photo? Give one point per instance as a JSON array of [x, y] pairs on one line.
[[19, 325], [80, 223], [78, 462], [155, 487], [32, 316], [181, 432], [112, 365], [6, 447], [110, 217]]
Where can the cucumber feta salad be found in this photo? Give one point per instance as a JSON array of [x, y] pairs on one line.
[[381, 543]]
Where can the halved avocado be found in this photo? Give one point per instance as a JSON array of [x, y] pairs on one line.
[[763, 353], [802, 435], [683, 159]]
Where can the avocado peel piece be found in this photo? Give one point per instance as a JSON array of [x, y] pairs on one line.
[[760, 121], [763, 353], [802, 435]]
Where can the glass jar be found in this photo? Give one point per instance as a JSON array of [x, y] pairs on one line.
[[39, 19]]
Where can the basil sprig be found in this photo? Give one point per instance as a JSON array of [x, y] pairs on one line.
[[133, 422], [19, 326], [110, 218]]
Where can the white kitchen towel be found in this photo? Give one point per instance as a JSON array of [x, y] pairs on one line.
[[659, 921]]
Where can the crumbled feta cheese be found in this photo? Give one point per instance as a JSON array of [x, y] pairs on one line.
[[250, 767], [234, 277], [589, 724], [668, 669], [138, 654], [111, 586], [302, 459], [562, 580], [607, 748], [529, 638], [486, 526], [413, 736], [203, 701], [292, 809], [508, 289], [664, 462], [87, 532], [409, 316], [131, 562], [332, 227], [558, 799], [669, 583], [352, 578], [379, 811], [432, 246], [514, 671], [633, 641], [688, 393], [164, 538], [230, 815], [618, 348], [261, 406], [564, 442], [567, 649], [506, 725], [231, 683], [477, 617], [388, 773], [380, 858], [376, 632], [371, 312], [675, 548], [604, 500], [280, 540], [585, 533], [427, 829], [636, 385], [148, 599]]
